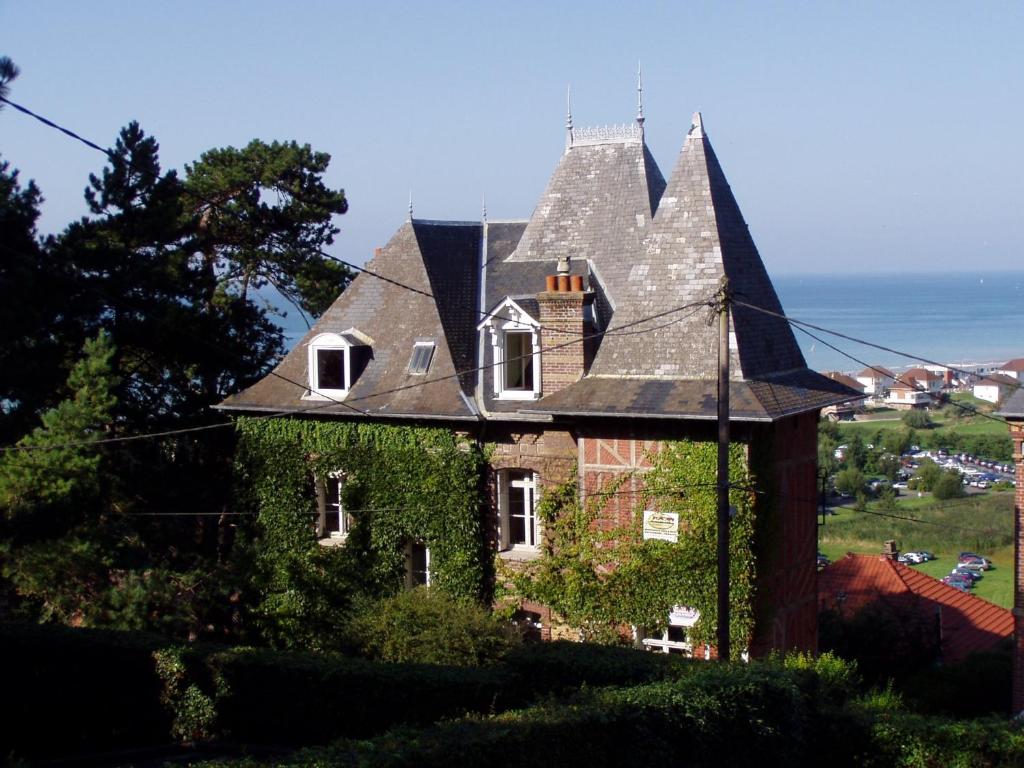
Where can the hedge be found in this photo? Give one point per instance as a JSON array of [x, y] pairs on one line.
[[81, 690]]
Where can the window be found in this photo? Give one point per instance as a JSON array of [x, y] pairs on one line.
[[672, 639], [422, 352], [518, 361], [335, 362], [333, 521], [515, 348], [417, 564], [517, 506]]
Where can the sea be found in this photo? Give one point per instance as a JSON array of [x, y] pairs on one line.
[[956, 318]]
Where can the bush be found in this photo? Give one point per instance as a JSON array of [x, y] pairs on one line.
[[426, 626], [850, 481], [948, 486], [979, 685], [916, 419]]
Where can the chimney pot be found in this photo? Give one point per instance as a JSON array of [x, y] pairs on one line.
[[377, 252], [576, 283], [551, 283], [563, 283]]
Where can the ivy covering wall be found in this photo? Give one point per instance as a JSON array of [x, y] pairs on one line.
[[402, 484], [600, 579]]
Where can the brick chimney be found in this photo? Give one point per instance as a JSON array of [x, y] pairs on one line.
[[562, 304], [890, 551]]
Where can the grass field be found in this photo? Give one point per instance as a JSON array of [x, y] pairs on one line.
[[968, 425], [982, 523]]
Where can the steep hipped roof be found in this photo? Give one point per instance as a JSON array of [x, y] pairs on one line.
[[440, 260], [698, 235], [643, 250], [968, 623], [598, 202]]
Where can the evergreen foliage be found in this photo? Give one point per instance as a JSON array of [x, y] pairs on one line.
[[601, 578], [403, 484]]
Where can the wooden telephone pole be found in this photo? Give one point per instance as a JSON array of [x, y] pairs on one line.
[[723, 470]]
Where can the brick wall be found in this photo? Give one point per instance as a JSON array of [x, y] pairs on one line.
[[563, 356], [1017, 434]]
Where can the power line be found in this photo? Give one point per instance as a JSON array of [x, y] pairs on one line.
[[920, 358], [220, 207]]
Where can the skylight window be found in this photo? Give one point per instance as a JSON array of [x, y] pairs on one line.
[[422, 354]]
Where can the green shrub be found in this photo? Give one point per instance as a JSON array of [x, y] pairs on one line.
[[562, 666], [916, 419], [426, 626], [948, 486]]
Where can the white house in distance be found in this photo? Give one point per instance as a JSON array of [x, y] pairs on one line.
[[1014, 369], [908, 393], [928, 380], [995, 387], [844, 410], [875, 380]]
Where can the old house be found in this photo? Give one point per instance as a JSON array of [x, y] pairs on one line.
[[1013, 412], [578, 341]]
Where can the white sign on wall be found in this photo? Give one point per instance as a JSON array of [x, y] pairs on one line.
[[661, 525], [683, 616]]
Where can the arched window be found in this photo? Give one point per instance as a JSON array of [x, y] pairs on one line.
[[335, 362]]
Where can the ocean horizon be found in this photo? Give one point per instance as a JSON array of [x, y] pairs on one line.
[[946, 317]]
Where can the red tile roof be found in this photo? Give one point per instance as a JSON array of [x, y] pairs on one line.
[[842, 378], [969, 623], [876, 372], [1017, 364]]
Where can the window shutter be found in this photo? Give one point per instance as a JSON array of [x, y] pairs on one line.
[[321, 507], [503, 511]]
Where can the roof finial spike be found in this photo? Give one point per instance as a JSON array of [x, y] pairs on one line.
[[639, 96], [410, 203], [483, 207], [568, 116]]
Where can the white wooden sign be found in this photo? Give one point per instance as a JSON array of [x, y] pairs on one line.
[[661, 525]]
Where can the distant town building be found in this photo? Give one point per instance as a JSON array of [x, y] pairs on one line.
[[1014, 369], [876, 380], [907, 393], [848, 408], [995, 387], [927, 380]]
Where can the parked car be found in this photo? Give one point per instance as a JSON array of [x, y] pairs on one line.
[[972, 574], [917, 557], [959, 582], [972, 560]]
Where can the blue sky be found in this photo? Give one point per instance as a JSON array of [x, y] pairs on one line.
[[857, 137]]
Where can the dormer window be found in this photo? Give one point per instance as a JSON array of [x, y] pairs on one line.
[[335, 362], [515, 346]]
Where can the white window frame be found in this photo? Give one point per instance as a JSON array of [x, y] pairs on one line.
[[343, 342], [509, 317], [529, 482], [410, 576], [678, 618], [325, 509]]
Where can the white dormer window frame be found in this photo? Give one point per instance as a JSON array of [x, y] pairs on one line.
[[326, 349], [510, 326]]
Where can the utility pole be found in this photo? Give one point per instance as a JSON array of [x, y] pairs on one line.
[[723, 470]]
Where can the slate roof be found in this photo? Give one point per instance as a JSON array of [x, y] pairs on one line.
[[644, 247], [968, 623], [1013, 408], [438, 259]]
